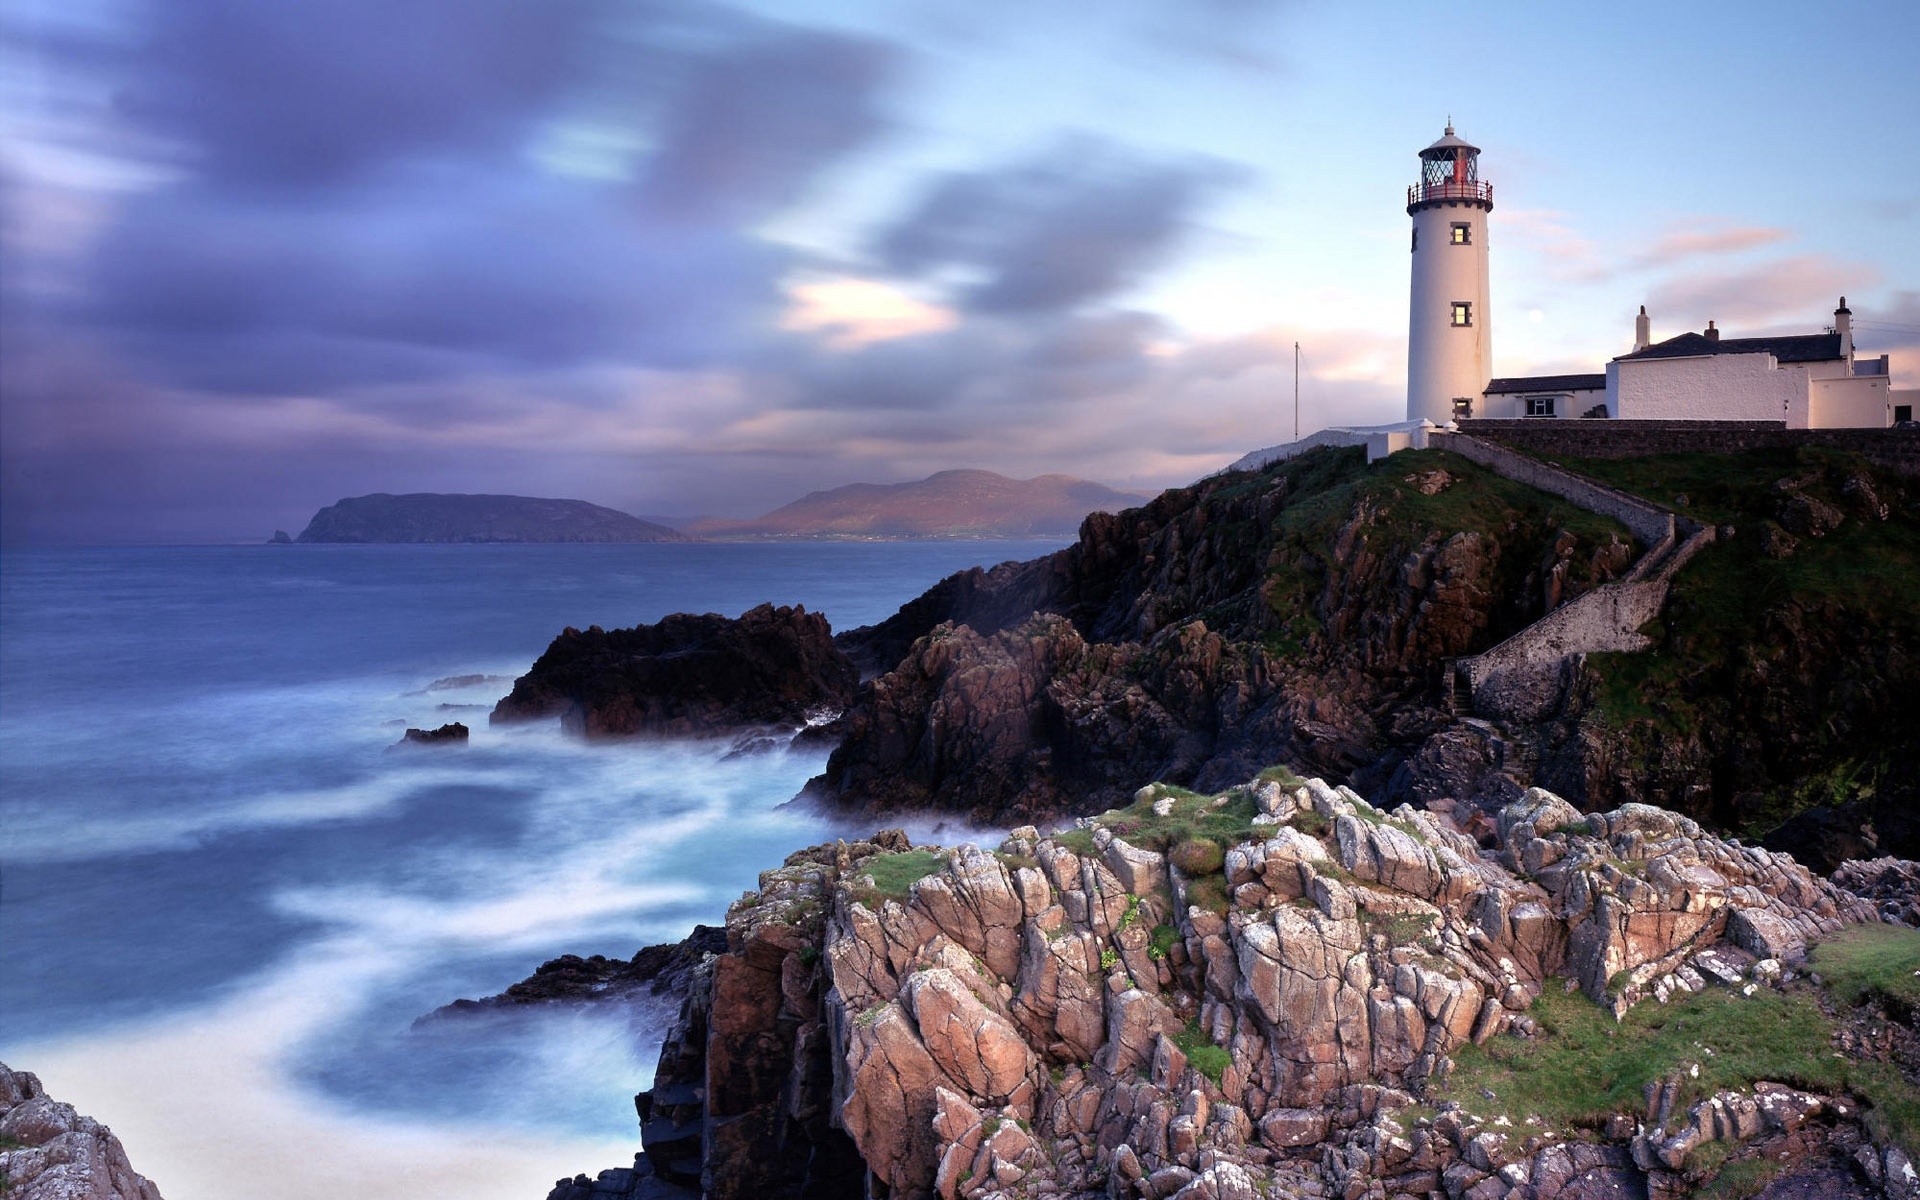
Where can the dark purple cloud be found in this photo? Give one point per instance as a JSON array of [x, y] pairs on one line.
[[752, 125], [395, 284], [1077, 223], [298, 94]]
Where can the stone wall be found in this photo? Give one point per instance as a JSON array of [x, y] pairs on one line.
[[1895, 449], [1650, 523]]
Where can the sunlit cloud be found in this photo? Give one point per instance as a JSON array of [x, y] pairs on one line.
[[851, 313], [1800, 291]]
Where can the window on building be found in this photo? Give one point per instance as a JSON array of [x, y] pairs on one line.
[[1462, 313], [1902, 412], [1540, 406], [1462, 234], [1462, 407], [1416, 240]]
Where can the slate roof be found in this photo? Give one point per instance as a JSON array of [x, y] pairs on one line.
[[1812, 347], [1548, 383]]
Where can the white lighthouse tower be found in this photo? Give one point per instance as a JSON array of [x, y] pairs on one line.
[[1449, 332]]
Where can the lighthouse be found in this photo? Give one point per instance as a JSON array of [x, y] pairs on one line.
[[1449, 330]]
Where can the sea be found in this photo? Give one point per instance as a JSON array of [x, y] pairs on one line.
[[227, 898]]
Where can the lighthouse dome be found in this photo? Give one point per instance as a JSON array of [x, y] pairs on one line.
[[1447, 145]]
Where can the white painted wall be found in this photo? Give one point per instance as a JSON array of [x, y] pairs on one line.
[[1711, 387], [1444, 361], [1854, 402]]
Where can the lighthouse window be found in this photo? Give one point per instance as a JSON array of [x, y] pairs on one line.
[[1416, 239], [1462, 234], [1539, 406], [1462, 313]]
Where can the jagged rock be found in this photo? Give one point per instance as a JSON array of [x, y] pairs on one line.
[[660, 970], [687, 675], [451, 734], [50, 1152], [999, 1030]]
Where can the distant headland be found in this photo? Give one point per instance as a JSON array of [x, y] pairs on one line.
[[948, 504], [442, 517]]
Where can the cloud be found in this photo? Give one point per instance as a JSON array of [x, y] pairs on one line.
[[218, 291], [303, 94], [1706, 240], [1549, 233], [754, 123], [851, 313], [1077, 223], [1799, 290]]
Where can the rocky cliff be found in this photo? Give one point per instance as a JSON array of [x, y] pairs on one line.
[[443, 517], [1775, 698], [1279, 990], [50, 1152], [1306, 613]]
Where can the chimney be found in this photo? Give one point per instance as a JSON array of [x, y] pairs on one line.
[[1642, 331], [1712, 334], [1843, 325]]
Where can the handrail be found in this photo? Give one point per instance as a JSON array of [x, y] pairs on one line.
[[1477, 189]]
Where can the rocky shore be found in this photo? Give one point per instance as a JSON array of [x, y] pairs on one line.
[[1278, 990]]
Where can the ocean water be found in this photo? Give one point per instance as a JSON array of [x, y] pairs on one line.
[[225, 898]]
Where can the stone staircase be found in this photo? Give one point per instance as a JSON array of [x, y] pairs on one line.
[[1522, 678]]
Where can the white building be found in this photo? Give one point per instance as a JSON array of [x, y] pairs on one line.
[[1812, 381]]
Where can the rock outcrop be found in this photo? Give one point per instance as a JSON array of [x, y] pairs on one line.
[[1209, 997], [50, 1152], [572, 979], [687, 676], [453, 733]]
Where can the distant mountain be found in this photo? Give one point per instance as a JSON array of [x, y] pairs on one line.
[[948, 504], [441, 517]]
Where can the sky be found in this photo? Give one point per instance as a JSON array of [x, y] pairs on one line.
[[696, 258]]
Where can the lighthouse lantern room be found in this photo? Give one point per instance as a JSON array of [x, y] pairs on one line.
[[1449, 333]]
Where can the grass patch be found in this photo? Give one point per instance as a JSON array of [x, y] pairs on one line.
[[1877, 962], [1017, 862], [892, 876], [1077, 840], [1196, 856], [1202, 1054], [1283, 776], [1210, 894], [1193, 818], [1403, 929], [1744, 1179], [1162, 942], [1584, 1067]]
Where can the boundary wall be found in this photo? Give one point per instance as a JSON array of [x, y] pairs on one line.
[[1894, 449]]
